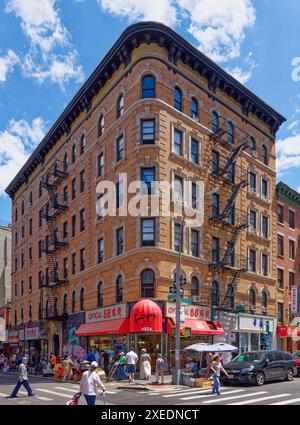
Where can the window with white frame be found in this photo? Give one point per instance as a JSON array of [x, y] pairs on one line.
[[178, 142]]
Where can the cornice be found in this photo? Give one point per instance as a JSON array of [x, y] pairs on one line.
[[287, 194], [120, 54]]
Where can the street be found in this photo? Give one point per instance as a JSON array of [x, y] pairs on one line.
[[57, 393]]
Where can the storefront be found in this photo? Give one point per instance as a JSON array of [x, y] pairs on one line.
[[288, 338], [33, 342], [76, 346]]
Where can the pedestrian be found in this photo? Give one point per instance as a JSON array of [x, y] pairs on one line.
[[159, 369], [90, 381], [2, 361], [22, 379], [145, 365], [90, 356], [67, 366], [105, 357], [121, 367], [52, 360], [97, 355], [217, 368], [131, 360], [221, 359]]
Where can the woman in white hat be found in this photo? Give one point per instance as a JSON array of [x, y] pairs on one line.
[[145, 365], [90, 381]]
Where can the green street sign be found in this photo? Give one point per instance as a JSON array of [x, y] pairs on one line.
[[172, 297]]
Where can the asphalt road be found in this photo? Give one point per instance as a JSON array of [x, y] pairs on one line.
[[57, 393]]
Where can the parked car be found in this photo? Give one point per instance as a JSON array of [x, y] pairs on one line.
[[296, 358], [258, 367]]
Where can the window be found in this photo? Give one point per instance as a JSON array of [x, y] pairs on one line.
[[252, 298], [65, 304], [22, 208], [280, 245], [41, 279], [82, 181], [73, 226], [73, 188], [100, 294], [16, 317], [264, 155], [280, 214], [22, 315], [40, 313], [120, 148], [66, 194], [16, 238], [120, 241], [65, 268], [30, 226], [178, 234], [148, 231], [119, 289], [40, 249], [22, 261], [30, 284], [265, 264], [65, 231], [178, 142], [231, 173], [100, 165], [265, 188], [194, 109], [30, 313], [30, 254], [30, 199], [215, 122], [119, 194], [264, 299], [215, 250], [47, 309], [23, 232], [252, 182], [82, 144], [230, 133], [82, 259], [215, 205], [16, 264], [101, 126], [73, 153], [16, 290], [148, 131], [252, 145], [195, 292], [40, 218], [148, 176], [215, 294], [66, 162], [74, 263], [177, 99], [148, 87], [147, 284], [292, 219], [22, 288], [265, 226], [178, 190], [291, 249], [280, 312], [252, 221], [195, 200], [194, 151], [82, 299], [16, 214], [291, 280], [120, 106], [100, 250], [82, 220], [252, 260], [195, 243], [73, 302], [280, 278]]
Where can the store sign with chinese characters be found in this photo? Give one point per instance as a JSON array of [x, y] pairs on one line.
[[190, 312], [103, 314], [294, 300]]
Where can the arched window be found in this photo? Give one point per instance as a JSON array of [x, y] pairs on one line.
[[16, 317], [194, 108], [47, 309], [252, 144], [119, 289], [22, 315], [120, 106], [30, 313], [264, 154], [230, 296], [30, 199], [65, 307], [230, 133], [215, 295], [40, 311], [22, 207], [73, 153], [195, 291], [56, 306], [264, 299], [82, 144], [82, 299], [16, 214], [73, 301], [101, 126], [100, 294], [178, 99], [148, 87], [65, 162], [147, 284], [215, 122], [252, 297], [40, 189]]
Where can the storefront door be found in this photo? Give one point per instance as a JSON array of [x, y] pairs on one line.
[[56, 344]]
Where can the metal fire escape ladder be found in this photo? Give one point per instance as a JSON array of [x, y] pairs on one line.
[[237, 152]]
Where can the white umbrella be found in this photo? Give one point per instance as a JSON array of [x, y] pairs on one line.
[[201, 347], [222, 348]]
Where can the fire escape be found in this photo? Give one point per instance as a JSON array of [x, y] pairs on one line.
[[232, 177], [54, 241]]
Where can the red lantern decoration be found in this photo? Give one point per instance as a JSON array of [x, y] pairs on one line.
[[146, 316]]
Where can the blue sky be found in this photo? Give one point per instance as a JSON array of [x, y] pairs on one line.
[[49, 47]]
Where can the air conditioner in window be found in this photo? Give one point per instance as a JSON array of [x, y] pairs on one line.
[[196, 298]]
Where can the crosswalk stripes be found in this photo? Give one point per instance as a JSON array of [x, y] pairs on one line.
[[256, 400], [191, 392], [45, 399], [285, 402], [76, 389], [53, 392], [221, 399], [3, 395], [209, 395]]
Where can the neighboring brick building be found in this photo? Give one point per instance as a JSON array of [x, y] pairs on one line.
[[156, 109], [288, 263], [5, 265]]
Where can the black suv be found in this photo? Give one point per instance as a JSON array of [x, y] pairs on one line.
[[257, 367]]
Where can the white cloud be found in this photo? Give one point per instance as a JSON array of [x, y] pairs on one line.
[[7, 64], [17, 142], [288, 153], [50, 42], [240, 75]]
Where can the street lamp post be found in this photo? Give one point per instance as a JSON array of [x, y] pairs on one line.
[[177, 341]]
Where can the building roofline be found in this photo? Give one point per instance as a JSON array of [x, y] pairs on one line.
[[287, 194], [120, 53]]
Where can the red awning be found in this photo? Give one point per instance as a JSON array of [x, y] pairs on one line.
[[111, 327], [198, 327], [288, 331]]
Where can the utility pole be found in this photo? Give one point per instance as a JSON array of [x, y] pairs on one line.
[[177, 341]]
